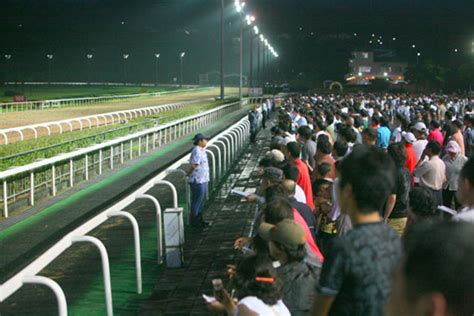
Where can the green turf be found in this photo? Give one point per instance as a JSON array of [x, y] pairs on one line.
[[45, 92]]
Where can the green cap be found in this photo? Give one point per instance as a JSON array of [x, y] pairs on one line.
[[287, 233]]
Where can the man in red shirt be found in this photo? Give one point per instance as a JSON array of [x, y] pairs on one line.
[[408, 139], [293, 155], [435, 133]]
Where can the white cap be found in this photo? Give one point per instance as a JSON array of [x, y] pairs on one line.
[[420, 126], [409, 137]]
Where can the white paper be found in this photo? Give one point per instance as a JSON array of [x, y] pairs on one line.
[[208, 299], [240, 193]]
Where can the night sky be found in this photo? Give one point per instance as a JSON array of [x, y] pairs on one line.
[[313, 38]]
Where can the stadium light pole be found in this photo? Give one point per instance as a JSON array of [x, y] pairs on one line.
[[181, 57], [50, 58], [125, 57], [89, 59], [252, 35], [222, 50], [157, 57], [239, 7]]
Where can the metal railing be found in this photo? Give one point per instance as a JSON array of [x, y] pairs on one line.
[[70, 102], [91, 121], [65, 170], [238, 134]]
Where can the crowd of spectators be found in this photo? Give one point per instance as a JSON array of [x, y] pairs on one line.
[[365, 207]]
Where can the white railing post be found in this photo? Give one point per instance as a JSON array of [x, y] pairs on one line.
[[159, 225], [105, 268], [224, 156], [213, 158], [219, 158], [32, 188], [111, 157], [100, 161], [136, 238], [221, 161], [58, 292], [230, 139], [187, 192], [53, 180], [71, 173], [173, 191], [228, 150], [86, 167], [5, 198]]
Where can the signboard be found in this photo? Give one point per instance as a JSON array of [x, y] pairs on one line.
[[255, 92], [19, 98], [174, 237]]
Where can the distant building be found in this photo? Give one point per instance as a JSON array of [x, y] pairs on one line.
[[377, 64]]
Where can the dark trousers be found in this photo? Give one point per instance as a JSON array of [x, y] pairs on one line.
[[438, 195], [450, 200], [198, 194]]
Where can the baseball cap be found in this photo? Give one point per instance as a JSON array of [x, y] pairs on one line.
[[199, 137], [453, 147], [420, 126], [275, 155], [287, 233], [409, 137], [273, 174]]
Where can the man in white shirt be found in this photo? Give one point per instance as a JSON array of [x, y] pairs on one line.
[[419, 130], [465, 193], [432, 172]]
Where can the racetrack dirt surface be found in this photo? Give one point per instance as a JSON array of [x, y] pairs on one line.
[[15, 119]]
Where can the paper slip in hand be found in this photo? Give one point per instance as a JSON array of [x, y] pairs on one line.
[[240, 193], [208, 299]]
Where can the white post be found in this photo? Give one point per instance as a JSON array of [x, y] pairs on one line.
[[159, 234], [136, 238], [219, 158], [111, 157], [71, 173], [32, 188], [53, 180], [5, 198], [100, 161], [173, 191], [105, 268], [139, 146], [86, 167], [121, 153], [58, 292]]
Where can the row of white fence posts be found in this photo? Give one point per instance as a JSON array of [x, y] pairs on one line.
[[165, 134], [87, 121], [232, 142]]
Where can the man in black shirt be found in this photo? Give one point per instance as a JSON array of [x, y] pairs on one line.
[[396, 208], [356, 275]]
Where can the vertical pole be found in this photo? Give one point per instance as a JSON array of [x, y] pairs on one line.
[[241, 58], [5, 198], [32, 188], [222, 49], [258, 63], [53, 180], [71, 173], [181, 69], [251, 61]]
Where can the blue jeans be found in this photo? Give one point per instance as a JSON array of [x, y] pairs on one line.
[[198, 194]]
